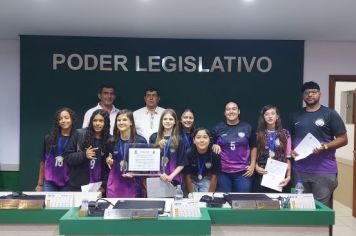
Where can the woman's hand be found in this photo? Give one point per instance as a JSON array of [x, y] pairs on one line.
[[216, 148], [260, 170], [39, 188], [90, 153], [284, 182], [162, 143], [109, 160], [249, 171], [128, 175], [166, 178]]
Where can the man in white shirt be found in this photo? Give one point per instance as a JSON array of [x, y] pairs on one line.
[[147, 118], [106, 96]]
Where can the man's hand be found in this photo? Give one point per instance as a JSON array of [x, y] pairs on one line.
[[294, 154]]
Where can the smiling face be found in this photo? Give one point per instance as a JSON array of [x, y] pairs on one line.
[[201, 141], [123, 123], [232, 112], [168, 121], [311, 97], [98, 123], [187, 120], [65, 120]]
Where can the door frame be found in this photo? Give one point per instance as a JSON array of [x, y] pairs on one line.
[[332, 83]]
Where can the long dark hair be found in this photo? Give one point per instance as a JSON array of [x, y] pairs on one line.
[[261, 136], [181, 127], [52, 139], [89, 136], [133, 132]]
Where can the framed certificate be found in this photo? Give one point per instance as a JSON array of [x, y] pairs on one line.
[[143, 159]]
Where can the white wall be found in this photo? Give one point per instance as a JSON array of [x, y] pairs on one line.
[[321, 59], [345, 152], [324, 58], [10, 104]]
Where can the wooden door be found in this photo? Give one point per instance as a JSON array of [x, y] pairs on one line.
[[354, 161]]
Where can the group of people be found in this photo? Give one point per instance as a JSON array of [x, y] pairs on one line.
[[230, 158]]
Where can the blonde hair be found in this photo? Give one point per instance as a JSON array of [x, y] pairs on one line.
[[175, 132]]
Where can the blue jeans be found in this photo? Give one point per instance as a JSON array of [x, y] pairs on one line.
[[201, 185], [234, 182], [50, 187]]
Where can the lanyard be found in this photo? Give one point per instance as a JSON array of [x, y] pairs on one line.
[[272, 140], [167, 147], [60, 145], [201, 165], [187, 139], [122, 148]]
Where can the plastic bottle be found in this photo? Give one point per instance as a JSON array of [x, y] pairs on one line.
[[179, 193], [84, 208], [299, 187]]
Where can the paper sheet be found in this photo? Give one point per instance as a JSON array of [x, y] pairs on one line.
[[158, 188], [276, 171], [306, 146], [92, 187], [144, 159]]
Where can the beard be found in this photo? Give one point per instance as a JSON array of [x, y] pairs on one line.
[[311, 103]]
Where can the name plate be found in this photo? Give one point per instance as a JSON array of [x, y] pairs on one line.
[[267, 204], [302, 201], [111, 214], [243, 204], [59, 200]]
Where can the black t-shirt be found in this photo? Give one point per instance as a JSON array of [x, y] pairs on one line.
[[206, 164]]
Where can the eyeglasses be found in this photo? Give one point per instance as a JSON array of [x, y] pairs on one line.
[[312, 92]]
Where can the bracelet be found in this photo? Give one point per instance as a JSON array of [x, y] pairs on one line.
[[40, 185]]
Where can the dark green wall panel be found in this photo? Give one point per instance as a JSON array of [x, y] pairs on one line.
[[9, 180], [44, 90]]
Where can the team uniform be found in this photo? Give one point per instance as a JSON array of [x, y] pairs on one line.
[[82, 170], [176, 157], [271, 151], [318, 171], [56, 170], [201, 167], [112, 114], [119, 186], [235, 142]]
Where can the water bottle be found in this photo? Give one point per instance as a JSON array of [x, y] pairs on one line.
[[179, 193], [84, 208], [299, 187]]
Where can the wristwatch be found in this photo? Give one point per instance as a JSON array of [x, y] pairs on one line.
[[325, 147]]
